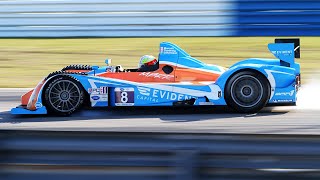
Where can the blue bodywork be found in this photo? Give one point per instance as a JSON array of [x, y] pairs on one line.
[[281, 74], [21, 110]]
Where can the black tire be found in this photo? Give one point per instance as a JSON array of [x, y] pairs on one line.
[[247, 92], [63, 95]]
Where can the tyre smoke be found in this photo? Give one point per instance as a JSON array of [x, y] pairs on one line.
[[309, 96]]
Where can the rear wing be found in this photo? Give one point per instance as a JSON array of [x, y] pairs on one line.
[[286, 50], [295, 41]]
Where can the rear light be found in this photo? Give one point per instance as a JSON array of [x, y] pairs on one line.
[[298, 80]]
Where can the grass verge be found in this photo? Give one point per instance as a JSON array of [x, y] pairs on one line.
[[23, 62]]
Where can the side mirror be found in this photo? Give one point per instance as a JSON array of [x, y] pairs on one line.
[[108, 61]]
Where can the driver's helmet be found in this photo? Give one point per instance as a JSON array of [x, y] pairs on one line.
[[147, 60]]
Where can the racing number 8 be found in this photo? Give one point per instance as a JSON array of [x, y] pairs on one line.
[[124, 97]]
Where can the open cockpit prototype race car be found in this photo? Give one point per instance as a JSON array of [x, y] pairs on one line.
[[179, 80]]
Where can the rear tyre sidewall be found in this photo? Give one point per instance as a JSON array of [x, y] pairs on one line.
[[50, 93], [247, 92]]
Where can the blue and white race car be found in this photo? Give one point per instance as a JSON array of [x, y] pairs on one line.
[[177, 80]]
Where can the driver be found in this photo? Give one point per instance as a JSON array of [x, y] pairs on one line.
[[148, 63]]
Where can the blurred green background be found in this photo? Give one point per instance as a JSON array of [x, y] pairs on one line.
[[24, 62]]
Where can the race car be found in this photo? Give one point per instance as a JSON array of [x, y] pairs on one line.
[[178, 80]]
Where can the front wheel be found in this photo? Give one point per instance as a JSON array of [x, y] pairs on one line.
[[247, 92], [63, 95]]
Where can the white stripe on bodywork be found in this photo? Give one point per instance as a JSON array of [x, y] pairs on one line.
[[185, 83], [206, 82], [222, 69], [93, 85], [272, 80]]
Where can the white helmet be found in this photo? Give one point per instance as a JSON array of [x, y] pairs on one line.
[[147, 60]]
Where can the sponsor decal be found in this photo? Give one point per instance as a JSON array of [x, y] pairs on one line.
[[181, 93], [38, 105], [96, 98], [144, 91], [101, 90], [99, 98], [167, 50], [153, 95], [285, 93], [282, 52], [157, 75], [146, 98], [124, 96], [282, 100]]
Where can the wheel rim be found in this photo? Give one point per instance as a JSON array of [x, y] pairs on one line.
[[246, 91], [64, 96]]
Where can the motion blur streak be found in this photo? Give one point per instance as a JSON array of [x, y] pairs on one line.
[[308, 97]]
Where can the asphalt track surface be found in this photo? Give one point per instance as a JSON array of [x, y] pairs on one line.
[[275, 120]]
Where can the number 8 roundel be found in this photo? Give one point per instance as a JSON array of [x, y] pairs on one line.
[[124, 96]]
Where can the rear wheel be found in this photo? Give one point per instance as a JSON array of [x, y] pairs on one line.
[[247, 91], [63, 95]]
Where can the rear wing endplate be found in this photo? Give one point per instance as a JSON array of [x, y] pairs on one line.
[[295, 41], [285, 50]]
